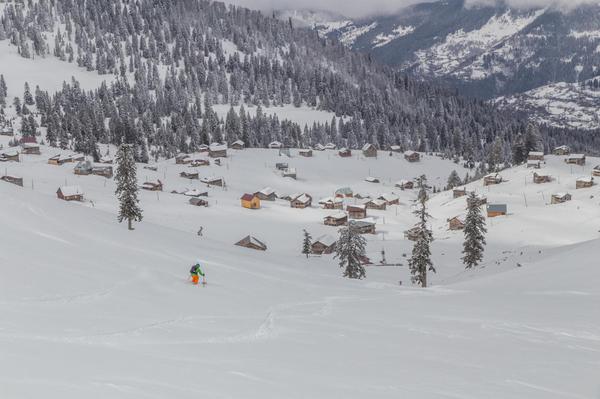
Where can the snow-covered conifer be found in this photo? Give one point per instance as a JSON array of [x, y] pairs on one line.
[[350, 250], [475, 230], [127, 188]]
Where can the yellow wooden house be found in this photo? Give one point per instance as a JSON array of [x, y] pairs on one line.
[[250, 201]]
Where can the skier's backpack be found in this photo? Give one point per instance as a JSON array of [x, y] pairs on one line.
[[193, 269]]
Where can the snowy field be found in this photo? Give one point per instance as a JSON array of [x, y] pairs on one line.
[[91, 310]]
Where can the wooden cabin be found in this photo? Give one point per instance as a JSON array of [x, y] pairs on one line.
[[362, 226], [584, 182], [306, 153], [290, 172], [405, 185], [533, 164], [216, 150], [83, 168], [198, 201], [252, 243], [203, 148], [596, 171], [361, 196], [332, 203], [356, 211], [345, 153], [562, 150], [190, 175], [238, 145], [376, 204], [77, 157], [492, 179], [195, 163], [412, 156], [535, 156], [301, 201], [30, 149], [456, 223], [195, 193], [369, 150], [412, 234], [575, 159], [336, 219], [13, 180], [559, 198], [330, 146], [183, 159], [266, 194], [540, 179], [59, 159], [276, 145], [9, 155], [459, 192], [70, 193], [250, 201], [323, 245], [213, 181], [153, 186], [281, 166], [372, 179], [344, 192], [494, 210], [390, 199]]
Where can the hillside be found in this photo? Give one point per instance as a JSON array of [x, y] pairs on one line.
[[91, 309]]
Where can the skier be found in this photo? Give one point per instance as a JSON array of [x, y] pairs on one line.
[[195, 273]]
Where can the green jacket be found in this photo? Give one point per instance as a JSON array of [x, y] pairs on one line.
[[197, 270]]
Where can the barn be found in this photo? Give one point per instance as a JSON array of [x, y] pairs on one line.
[[357, 211], [30, 148], [332, 203], [9, 155], [412, 156], [216, 150], [377, 204], [559, 198], [584, 182], [70, 193], [301, 201], [323, 245], [369, 150], [306, 153], [535, 156], [336, 219], [562, 150], [575, 159], [362, 226]]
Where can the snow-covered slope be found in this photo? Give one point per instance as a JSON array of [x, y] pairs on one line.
[[92, 310]]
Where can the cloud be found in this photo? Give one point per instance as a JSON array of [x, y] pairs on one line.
[[361, 8]]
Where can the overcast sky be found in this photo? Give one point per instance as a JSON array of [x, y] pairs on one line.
[[360, 8]]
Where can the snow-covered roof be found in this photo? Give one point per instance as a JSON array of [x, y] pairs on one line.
[[326, 240], [218, 147], [275, 144], [560, 195], [69, 191], [357, 206], [576, 156], [210, 179], [30, 145], [10, 152], [238, 142], [303, 198], [290, 171], [403, 182], [586, 179], [330, 199], [195, 193], [319, 147], [344, 190], [371, 179], [267, 191], [330, 146], [377, 202], [410, 153], [394, 147], [388, 197], [533, 162], [536, 153], [367, 146], [337, 215], [344, 149], [493, 176], [362, 222], [562, 147]]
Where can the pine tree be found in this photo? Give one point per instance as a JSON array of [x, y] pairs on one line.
[[127, 188], [474, 233], [306, 243], [27, 96], [420, 261], [350, 249], [453, 180]]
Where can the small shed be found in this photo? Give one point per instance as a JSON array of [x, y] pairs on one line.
[[195, 193], [216, 150], [362, 196], [13, 180], [357, 211], [9, 155], [238, 145], [290, 172], [491, 179], [336, 219], [390, 199], [562, 150], [539, 179], [405, 184], [535, 156], [345, 153], [70, 193], [395, 148], [344, 192], [30, 148], [575, 159], [197, 162], [319, 147], [330, 146], [83, 168], [266, 194], [203, 148], [281, 165], [183, 159], [584, 182], [252, 243], [412, 156], [377, 204], [362, 226], [459, 192], [371, 179], [533, 164], [301, 201], [596, 171], [306, 153], [275, 145], [323, 245], [250, 201], [369, 150], [494, 210], [152, 186], [59, 159], [332, 203], [213, 181], [190, 175], [198, 201], [456, 223], [559, 198], [412, 234]]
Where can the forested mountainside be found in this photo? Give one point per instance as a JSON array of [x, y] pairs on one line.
[[487, 51], [169, 62]]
